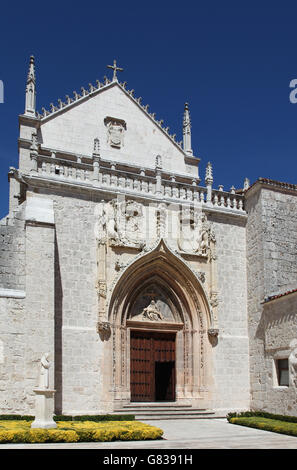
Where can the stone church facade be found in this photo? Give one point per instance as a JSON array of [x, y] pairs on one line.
[[144, 283]]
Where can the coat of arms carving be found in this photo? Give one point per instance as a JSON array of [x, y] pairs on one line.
[[115, 131]]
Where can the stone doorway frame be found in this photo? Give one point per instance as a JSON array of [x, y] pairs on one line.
[[193, 322]]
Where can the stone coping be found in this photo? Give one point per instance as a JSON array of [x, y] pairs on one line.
[[12, 293]]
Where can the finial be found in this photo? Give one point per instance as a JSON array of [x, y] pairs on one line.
[[115, 69], [246, 184], [187, 131], [30, 99]]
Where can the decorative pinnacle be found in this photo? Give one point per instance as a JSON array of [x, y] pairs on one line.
[[208, 174], [246, 184], [31, 72], [187, 131], [30, 98], [115, 69], [187, 120]]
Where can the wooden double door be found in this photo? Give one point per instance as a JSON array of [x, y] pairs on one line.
[[152, 366]]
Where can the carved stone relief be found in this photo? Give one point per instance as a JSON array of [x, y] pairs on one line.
[[115, 131], [188, 238], [152, 305], [120, 223], [196, 234], [151, 312]]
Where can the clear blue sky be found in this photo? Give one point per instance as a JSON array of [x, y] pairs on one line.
[[231, 60]]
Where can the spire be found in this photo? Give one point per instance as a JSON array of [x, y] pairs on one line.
[[187, 131], [30, 103]]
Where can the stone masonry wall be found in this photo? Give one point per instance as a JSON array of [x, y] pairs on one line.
[[271, 254], [279, 211], [12, 310], [78, 347], [12, 353], [231, 354], [12, 253]]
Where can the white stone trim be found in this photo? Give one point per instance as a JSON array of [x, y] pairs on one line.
[[12, 293]]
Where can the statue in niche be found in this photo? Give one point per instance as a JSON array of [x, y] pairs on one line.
[[207, 239], [161, 215], [151, 312], [293, 363], [44, 371], [204, 243], [106, 227], [111, 227], [101, 221]]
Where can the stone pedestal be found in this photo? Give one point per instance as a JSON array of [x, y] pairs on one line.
[[43, 409]]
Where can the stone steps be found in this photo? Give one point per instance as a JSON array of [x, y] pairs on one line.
[[163, 410]]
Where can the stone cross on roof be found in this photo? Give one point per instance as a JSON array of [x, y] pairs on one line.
[[115, 69]]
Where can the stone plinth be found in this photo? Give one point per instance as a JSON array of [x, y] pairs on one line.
[[43, 409]]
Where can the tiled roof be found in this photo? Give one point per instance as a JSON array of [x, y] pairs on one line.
[[278, 184], [277, 296]]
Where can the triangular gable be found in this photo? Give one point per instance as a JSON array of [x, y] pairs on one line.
[[73, 126]]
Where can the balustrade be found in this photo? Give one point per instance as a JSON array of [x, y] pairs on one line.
[[157, 185]]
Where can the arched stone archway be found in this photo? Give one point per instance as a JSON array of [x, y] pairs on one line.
[[158, 292]]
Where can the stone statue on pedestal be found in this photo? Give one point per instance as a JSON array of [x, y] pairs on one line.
[[44, 398], [44, 371]]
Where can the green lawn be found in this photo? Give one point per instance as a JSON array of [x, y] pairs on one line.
[[266, 424]]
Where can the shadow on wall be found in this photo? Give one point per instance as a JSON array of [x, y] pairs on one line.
[[58, 333]]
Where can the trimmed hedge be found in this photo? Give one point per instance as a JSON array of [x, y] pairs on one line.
[[16, 417], [281, 424], [96, 418], [262, 414], [78, 431]]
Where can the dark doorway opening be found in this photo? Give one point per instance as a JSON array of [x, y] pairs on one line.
[[164, 381]]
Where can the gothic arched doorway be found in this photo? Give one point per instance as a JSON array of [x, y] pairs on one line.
[[159, 305]]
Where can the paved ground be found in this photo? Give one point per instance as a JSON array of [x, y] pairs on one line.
[[188, 434]]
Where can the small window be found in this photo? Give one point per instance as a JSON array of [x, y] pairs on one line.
[[282, 368]]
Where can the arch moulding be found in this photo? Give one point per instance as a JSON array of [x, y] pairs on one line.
[[164, 273]]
